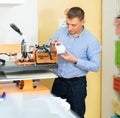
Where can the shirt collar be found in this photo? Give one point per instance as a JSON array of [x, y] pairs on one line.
[[79, 34]]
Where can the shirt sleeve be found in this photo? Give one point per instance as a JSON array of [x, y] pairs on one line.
[[93, 58]]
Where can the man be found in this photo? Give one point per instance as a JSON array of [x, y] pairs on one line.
[[81, 56]]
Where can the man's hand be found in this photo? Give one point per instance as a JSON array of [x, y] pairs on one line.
[[68, 57], [55, 42]]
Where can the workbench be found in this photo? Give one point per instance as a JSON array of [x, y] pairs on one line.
[[11, 72]]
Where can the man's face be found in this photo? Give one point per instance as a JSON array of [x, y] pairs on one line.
[[74, 26]]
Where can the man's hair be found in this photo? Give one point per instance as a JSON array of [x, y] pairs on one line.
[[75, 12]]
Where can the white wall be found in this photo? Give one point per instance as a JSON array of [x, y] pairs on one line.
[[25, 16], [108, 56]]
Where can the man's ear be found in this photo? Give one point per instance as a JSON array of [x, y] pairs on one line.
[[83, 22]]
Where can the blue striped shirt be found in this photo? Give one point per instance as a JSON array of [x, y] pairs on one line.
[[84, 47]]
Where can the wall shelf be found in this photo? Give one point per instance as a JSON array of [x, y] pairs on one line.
[[11, 1], [116, 81]]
